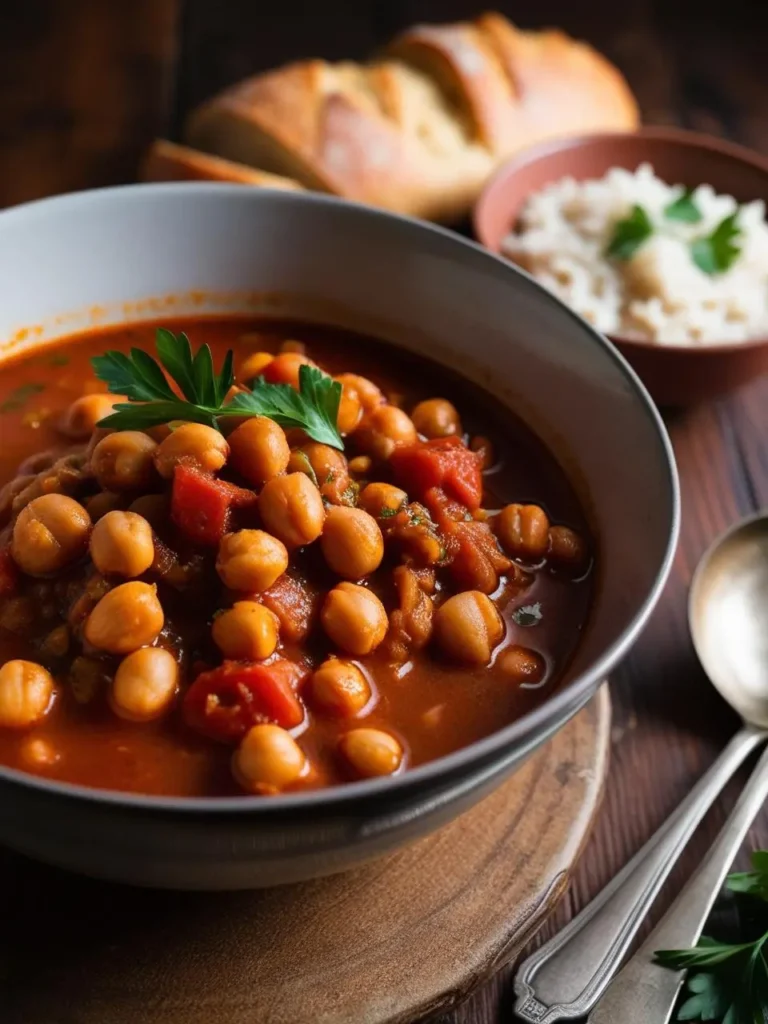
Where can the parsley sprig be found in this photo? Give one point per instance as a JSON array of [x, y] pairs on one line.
[[713, 253], [729, 982], [314, 407]]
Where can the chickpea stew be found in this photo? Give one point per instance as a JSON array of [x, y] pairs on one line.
[[318, 560]]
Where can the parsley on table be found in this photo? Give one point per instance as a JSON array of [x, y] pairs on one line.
[[718, 251], [629, 234], [754, 882], [314, 407], [728, 983], [684, 209]]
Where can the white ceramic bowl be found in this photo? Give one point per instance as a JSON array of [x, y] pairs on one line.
[[151, 251]]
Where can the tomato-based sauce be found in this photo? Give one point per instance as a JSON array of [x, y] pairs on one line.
[[426, 686]]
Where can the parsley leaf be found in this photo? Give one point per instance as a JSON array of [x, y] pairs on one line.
[[708, 953], [152, 401], [754, 882], [314, 407], [629, 234], [684, 209], [718, 251], [710, 999]]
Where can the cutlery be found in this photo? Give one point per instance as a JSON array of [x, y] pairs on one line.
[[728, 618]]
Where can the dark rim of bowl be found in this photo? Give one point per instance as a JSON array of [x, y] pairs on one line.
[[553, 710], [693, 140]]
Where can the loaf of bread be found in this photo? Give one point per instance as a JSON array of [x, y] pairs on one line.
[[419, 130], [167, 161]]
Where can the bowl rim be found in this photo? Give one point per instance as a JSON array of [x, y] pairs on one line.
[[552, 712], [693, 140]]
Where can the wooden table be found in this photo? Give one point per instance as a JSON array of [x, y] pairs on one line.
[[85, 85]]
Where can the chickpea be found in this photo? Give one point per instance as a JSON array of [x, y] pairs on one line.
[[522, 664], [192, 443], [246, 632], [80, 419], [17, 614], [268, 759], [254, 365], [383, 430], [292, 509], [284, 369], [328, 464], [354, 618], [368, 394], [145, 684], [467, 627], [259, 450], [123, 461], [290, 345], [126, 618], [251, 560], [371, 752], [360, 464], [338, 687], [49, 533], [26, 694], [378, 498], [436, 417], [523, 531], [122, 543], [352, 543], [567, 550], [99, 504], [350, 409], [38, 753], [155, 508], [483, 448]]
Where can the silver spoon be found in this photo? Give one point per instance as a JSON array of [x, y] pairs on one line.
[[728, 617]]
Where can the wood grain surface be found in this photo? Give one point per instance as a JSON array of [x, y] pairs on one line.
[[84, 84], [384, 944]]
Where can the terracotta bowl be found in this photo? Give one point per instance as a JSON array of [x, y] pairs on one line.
[[676, 375]]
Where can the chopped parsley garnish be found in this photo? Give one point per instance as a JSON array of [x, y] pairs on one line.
[[629, 234], [713, 254], [718, 251], [684, 209], [17, 398]]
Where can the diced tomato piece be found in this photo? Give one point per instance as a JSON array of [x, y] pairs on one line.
[[475, 559], [445, 462], [9, 574], [201, 506], [227, 701], [295, 603]]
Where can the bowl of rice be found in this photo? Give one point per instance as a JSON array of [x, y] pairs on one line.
[[658, 238]]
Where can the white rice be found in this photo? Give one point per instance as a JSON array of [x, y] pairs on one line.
[[659, 294]]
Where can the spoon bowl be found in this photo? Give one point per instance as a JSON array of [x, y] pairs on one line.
[[728, 614]]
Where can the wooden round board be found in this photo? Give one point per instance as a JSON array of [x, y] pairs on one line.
[[390, 942]]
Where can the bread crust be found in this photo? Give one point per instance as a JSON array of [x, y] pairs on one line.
[[419, 130]]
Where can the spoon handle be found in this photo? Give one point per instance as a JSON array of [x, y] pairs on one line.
[[565, 977], [644, 991]]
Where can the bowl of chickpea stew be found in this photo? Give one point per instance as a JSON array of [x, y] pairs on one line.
[[261, 568]]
